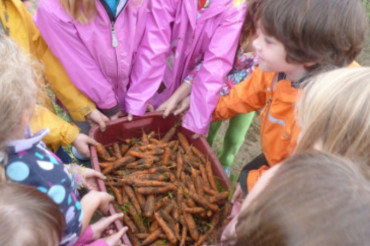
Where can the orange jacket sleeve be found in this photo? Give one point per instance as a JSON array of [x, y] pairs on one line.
[[247, 96]]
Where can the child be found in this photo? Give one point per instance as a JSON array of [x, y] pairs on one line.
[[42, 222], [179, 35], [25, 158], [335, 115], [313, 198], [295, 39], [96, 42], [17, 23]]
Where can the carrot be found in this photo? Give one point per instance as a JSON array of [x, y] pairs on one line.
[[190, 202], [144, 138], [131, 194], [141, 235], [204, 176], [180, 195], [194, 210], [209, 172], [171, 222], [151, 134], [210, 191], [138, 154], [158, 177], [183, 141], [219, 196], [189, 220], [198, 154], [183, 235], [103, 165], [198, 185], [156, 190], [172, 177], [117, 194], [117, 151], [203, 202], [141, 200], [154, 226], [149, 206], [161, 203], [166, 156], [209, 213], [168, 136], [124, 149], [117, 164], [139, 162], [154, 141], [149, 183], [133, 240], [152, 236], [128, 205], [103, 153], [180, 164], [167, 230], [168, 208], [129, 223]]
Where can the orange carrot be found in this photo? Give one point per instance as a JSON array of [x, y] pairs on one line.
[[168, 136], [167, 230], [209, 172], [144, 138], [166, 156], [124, 149], [103, 165], [183, 236], [149, 183], [129, 223], [180, 164], [117, 194], [161, 203], [154, 141], [204, 176], [210, 191], [133, 240], [219, 196], [138, 154], [152, 236], [203, 202], [117, 164], [189, 220], [183, 141], [117, 151], [194, 210], [103, 153], [198, 185], [154, 226], [149, 206], [141, 200], [158, 177], [131, 194], [156, 190], [171, 222], [198, 154]]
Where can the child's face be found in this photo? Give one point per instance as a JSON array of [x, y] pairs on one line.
[[271, 54]]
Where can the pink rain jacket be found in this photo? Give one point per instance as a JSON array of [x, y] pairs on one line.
[[97, 56], [175, 41]]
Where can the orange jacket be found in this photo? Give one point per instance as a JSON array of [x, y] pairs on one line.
[[279, 131]]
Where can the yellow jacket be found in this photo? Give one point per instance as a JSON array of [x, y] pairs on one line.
[[19, 26]]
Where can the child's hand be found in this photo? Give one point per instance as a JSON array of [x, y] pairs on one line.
[[168, 106], [90, 178], [97, 117], [101, 225], [183, 106], [81, 143]]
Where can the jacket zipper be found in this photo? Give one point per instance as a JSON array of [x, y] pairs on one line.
[[114, 37]]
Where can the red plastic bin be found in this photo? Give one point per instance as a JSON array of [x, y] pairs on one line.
[[122, 129]]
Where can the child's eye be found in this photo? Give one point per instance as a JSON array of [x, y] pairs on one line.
[[268, 41]]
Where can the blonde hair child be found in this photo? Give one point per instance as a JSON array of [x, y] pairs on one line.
[[334, 114], [313, 198], [42, 222], [25, 158]]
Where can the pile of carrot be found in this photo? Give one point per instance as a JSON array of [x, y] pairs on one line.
[[166, 189]]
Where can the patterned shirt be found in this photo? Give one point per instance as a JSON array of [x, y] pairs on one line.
[[31, 163]]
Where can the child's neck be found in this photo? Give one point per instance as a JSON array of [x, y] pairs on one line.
[[296, 74], [18, 133]]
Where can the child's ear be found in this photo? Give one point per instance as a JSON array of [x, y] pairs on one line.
[[26, 116]]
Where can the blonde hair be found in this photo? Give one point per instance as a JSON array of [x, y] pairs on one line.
[[334, 112], [80, 10], [17, 90], [314, 198], [42, 221]]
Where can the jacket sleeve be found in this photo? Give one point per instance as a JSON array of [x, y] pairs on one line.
[[247, 96], [64, 41], [217, 62], [149, 65], [61, 132], [77, 104]]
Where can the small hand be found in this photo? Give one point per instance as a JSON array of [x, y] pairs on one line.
[[114, 117], [90, 178], [183, 106], [168, 106], [81, 143], [97, 117]]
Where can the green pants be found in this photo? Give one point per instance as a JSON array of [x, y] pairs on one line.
[[234, 136]]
